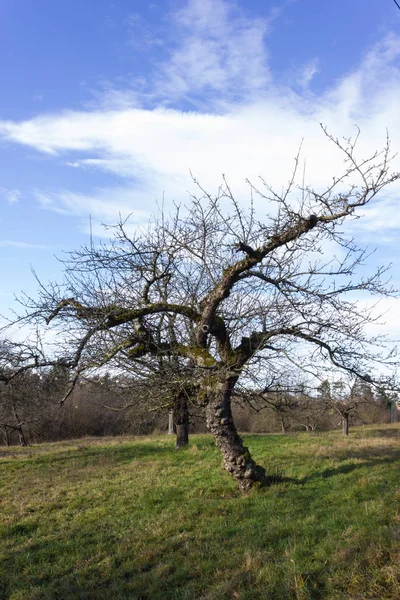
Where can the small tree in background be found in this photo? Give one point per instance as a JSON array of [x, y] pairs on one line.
[[348, 399], [389, 400], [28, 398], [282, 397]]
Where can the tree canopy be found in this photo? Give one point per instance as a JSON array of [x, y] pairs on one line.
[[228, 291]]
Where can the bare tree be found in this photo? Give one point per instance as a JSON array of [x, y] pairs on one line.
[[164, 385], [239, 297], [346, 398], [27, 397], [280, 395], [387, 399]]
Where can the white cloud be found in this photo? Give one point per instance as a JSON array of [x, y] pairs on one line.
[[247, 126], [153, 151], [209, 47], [11, 195], [384, 217], [372, 90], [13, 244], [307, 73], [386, 311], [255, 133], [218, 51], [104, 206], [142, 33]]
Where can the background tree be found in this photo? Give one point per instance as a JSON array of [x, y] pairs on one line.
[[388, 400], [162, 386], [337, 398], [348, 399], [310, 414], [282, 397], [27, 397], [240, 295]]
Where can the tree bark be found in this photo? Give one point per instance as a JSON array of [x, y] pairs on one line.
[[283, 425], [181, 417], [6, 435], [21, 435], [171, 422], [345, 424], [393, 411], [237, 459]]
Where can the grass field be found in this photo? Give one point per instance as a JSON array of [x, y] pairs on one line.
[[133, 518]]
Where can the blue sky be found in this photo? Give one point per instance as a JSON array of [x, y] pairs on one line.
[[107, 105]]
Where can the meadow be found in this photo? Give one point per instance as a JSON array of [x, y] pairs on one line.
[[116, 518]]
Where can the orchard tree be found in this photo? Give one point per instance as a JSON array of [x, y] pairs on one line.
[[228, 293], [389, 400], [283, 398], [162, 381], [161, 386], [27, 398], [347, 398], [340, 398]]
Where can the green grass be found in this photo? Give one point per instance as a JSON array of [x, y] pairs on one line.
[[133, 518]]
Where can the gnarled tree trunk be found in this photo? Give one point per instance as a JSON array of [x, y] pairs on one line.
[[237, 459]]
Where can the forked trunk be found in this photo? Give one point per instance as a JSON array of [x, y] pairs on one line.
[[22, 438], [21, 434], [237, 459], [181, 418]]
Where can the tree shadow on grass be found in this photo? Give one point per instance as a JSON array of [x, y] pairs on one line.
[[384, 433], [119, 454], [137, 578], [344, 469]]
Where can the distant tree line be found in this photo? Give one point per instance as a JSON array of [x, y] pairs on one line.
[[31, 412], [331, 405]]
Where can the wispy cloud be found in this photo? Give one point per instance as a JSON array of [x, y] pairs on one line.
[[218, 51], [142, 33], [240, 132], [12, 196], [104, 206], [245, 125], [382, 219], [307, 73], [27, 245], [209, 47]]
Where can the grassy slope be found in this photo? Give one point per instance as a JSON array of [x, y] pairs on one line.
[[126, 518]]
